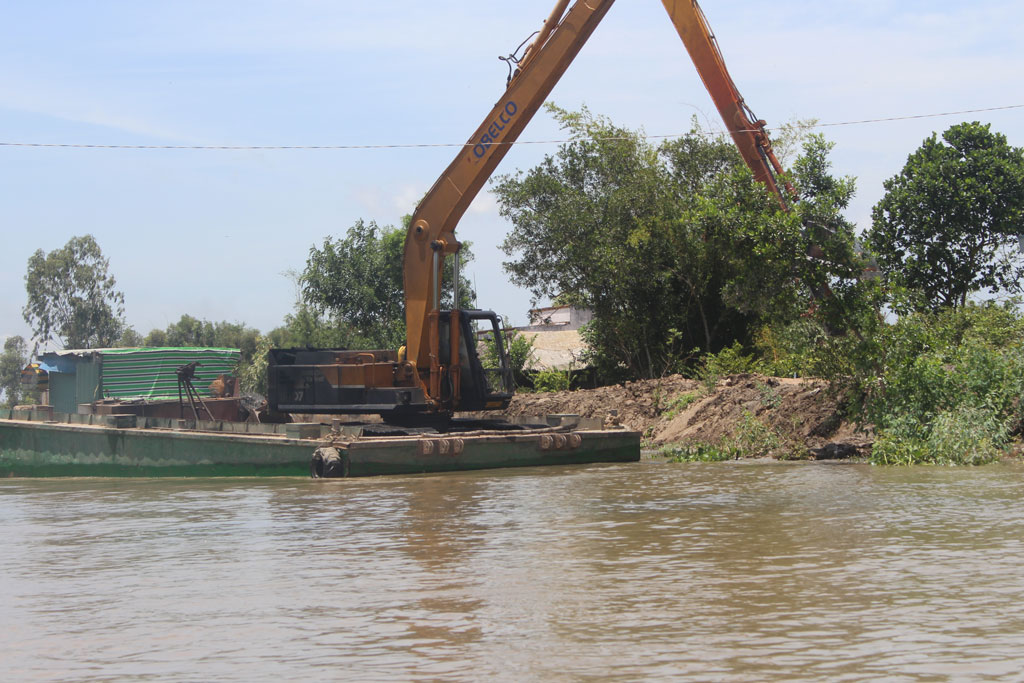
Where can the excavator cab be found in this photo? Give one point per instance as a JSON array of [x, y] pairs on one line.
[[480, 386], [344, 381]]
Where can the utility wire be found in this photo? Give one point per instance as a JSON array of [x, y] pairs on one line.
[[247, 148]]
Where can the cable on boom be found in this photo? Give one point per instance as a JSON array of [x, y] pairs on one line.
[[512, 60]]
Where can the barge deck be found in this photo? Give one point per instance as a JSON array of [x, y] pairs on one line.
[[53, 445]]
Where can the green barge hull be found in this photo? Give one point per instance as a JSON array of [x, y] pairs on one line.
[[115, 446]]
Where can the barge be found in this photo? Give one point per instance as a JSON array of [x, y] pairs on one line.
[[41, 443]]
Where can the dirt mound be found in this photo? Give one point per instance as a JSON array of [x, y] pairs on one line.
[[786, 416], [639, 406], [798, 412]]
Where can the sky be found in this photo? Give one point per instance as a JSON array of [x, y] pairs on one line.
[[217, 234]]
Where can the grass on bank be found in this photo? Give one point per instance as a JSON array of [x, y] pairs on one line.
[[942, 387]]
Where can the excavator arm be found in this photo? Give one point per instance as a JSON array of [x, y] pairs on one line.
[[746, 130], [439, 370], [431, 233]]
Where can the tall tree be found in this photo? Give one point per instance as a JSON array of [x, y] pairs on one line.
[[14, 358], [356, 282], [949, 222], [189, 331], [130, 338], [674, 247], [72, 297], [192, 331], [304, 327]]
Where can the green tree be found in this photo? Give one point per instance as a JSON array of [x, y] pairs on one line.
[[949, 222], [196, 332], [356, 282], [674, 247], [237, 336], [14, 358], [192, 331], [189, 331], [304, 327], [155, 338], [130, 338], [71, 296]]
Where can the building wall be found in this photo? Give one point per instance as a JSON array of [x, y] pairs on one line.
[[63, 392], [555, 318], [87, 380]]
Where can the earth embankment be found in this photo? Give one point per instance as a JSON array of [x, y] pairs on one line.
[[800, 417]]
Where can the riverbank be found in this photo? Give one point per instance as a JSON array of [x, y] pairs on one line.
[[755, 415]]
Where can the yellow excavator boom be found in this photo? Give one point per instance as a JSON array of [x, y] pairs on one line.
[[431, 233]]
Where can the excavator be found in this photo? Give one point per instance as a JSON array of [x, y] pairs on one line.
[[439, 371]]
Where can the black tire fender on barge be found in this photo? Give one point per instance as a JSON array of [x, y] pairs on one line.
[[327, 463]]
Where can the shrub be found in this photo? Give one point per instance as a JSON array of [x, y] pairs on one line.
[[965, 435], [754, 438], [252, 376], [519, 350], [948, 386], [553, 380], [729, 361], [792, 350]]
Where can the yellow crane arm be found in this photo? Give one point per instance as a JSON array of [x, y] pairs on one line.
[[746, 130], [431, 232]]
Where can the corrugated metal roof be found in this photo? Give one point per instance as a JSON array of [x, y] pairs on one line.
[[150, 373]]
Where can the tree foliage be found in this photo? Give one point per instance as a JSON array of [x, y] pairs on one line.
[[191, 331], [948, 224], [14, 358], [675, 247], [945, 386], [304, 327], [356, 282], [130, 338], [72, 297]]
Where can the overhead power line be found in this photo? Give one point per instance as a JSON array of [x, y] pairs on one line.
[[920, 116], [246, 148]]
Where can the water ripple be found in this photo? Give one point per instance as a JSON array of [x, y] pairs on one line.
[[724, 572]]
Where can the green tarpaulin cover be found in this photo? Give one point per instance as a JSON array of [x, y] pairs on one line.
[[150, 373]]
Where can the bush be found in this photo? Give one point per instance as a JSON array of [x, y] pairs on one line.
[[553, 380], [792, 350], [518, 349], [729, 361], [965, 435], [754, 438], [948, 386], [252, 376]]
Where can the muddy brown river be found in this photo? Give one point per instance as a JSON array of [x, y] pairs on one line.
[[725, 572]]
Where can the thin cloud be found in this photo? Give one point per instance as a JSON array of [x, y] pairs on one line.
[[46, 96]]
